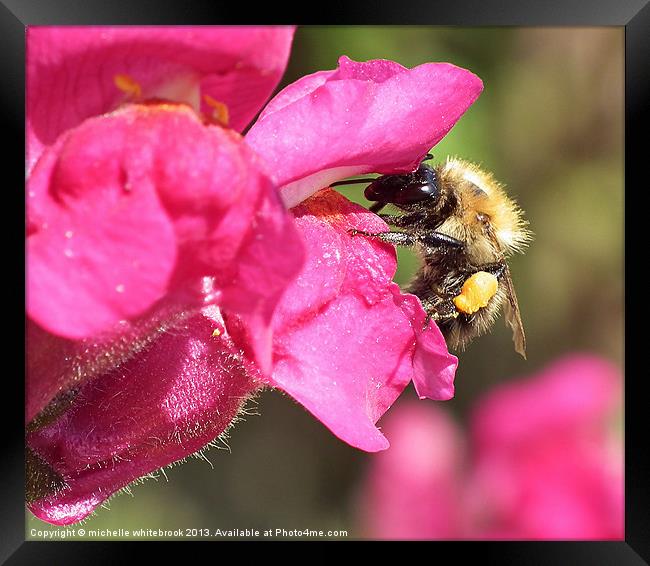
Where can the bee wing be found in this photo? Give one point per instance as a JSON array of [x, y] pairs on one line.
[[511, 307], [512, 314]]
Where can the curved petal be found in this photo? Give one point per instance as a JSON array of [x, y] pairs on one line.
[[162, 404], [372, 117], [434, 367], [344, 341], [71, 71], [143, 204]]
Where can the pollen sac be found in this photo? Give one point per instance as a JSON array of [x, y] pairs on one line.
[[476, 292]]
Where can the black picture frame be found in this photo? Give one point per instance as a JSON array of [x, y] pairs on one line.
[[634, 15]]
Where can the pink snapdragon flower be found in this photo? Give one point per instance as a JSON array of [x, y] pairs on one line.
[[71, 72], [167, 282], [542, 462]]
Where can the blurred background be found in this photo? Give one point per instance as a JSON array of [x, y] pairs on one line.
[[549, 125]]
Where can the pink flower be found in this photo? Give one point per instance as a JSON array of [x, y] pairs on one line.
[[115, 227], [546, 458], [71, 71], [166, 281], [545, 463]]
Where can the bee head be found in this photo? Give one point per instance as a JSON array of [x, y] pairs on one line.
[[416, 187]]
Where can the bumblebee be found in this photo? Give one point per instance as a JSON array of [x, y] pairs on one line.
[[464, 227]]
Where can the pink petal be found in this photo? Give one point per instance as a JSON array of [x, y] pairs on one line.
[[367, 117], [71, 70], [160, 405], [146, 203], [344, 342], [434, 367]]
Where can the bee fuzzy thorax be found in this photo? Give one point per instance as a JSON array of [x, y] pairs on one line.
[[481, 199], [463, 226]]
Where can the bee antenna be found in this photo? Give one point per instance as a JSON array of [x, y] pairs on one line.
[[427, 157], [351, 182]]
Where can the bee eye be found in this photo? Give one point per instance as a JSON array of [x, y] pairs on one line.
[[404, 189], [416, 193], [423, 187]]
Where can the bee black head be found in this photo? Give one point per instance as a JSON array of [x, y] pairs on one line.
[[414, 187]]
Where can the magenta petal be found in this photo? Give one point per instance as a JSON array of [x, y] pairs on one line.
[[162, 404], [344, 342], [434, 367], [71, 70], [367, 117], [144, 204], [96, 252]]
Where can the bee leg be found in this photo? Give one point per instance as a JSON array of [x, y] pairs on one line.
[[395, 238], [438, 309], [437, 240], [429, 239]]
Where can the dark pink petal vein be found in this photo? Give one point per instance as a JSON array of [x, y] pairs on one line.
[[171, 399]]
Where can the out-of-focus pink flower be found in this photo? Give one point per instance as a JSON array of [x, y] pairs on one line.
[[166, 281], [547, 460], [544, 463], [414, 489]]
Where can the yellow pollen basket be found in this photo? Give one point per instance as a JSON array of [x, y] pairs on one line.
[[128, 85], [220, 112], [476, 292]]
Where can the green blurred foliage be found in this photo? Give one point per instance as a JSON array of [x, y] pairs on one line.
[[550, 126]]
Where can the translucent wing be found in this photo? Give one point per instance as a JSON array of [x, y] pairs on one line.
[[512, 314]]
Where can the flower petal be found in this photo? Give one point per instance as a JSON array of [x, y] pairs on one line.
[[146, 203], [367, 117], [434, 367], [161, 405], [71, 71], [344, 341]]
